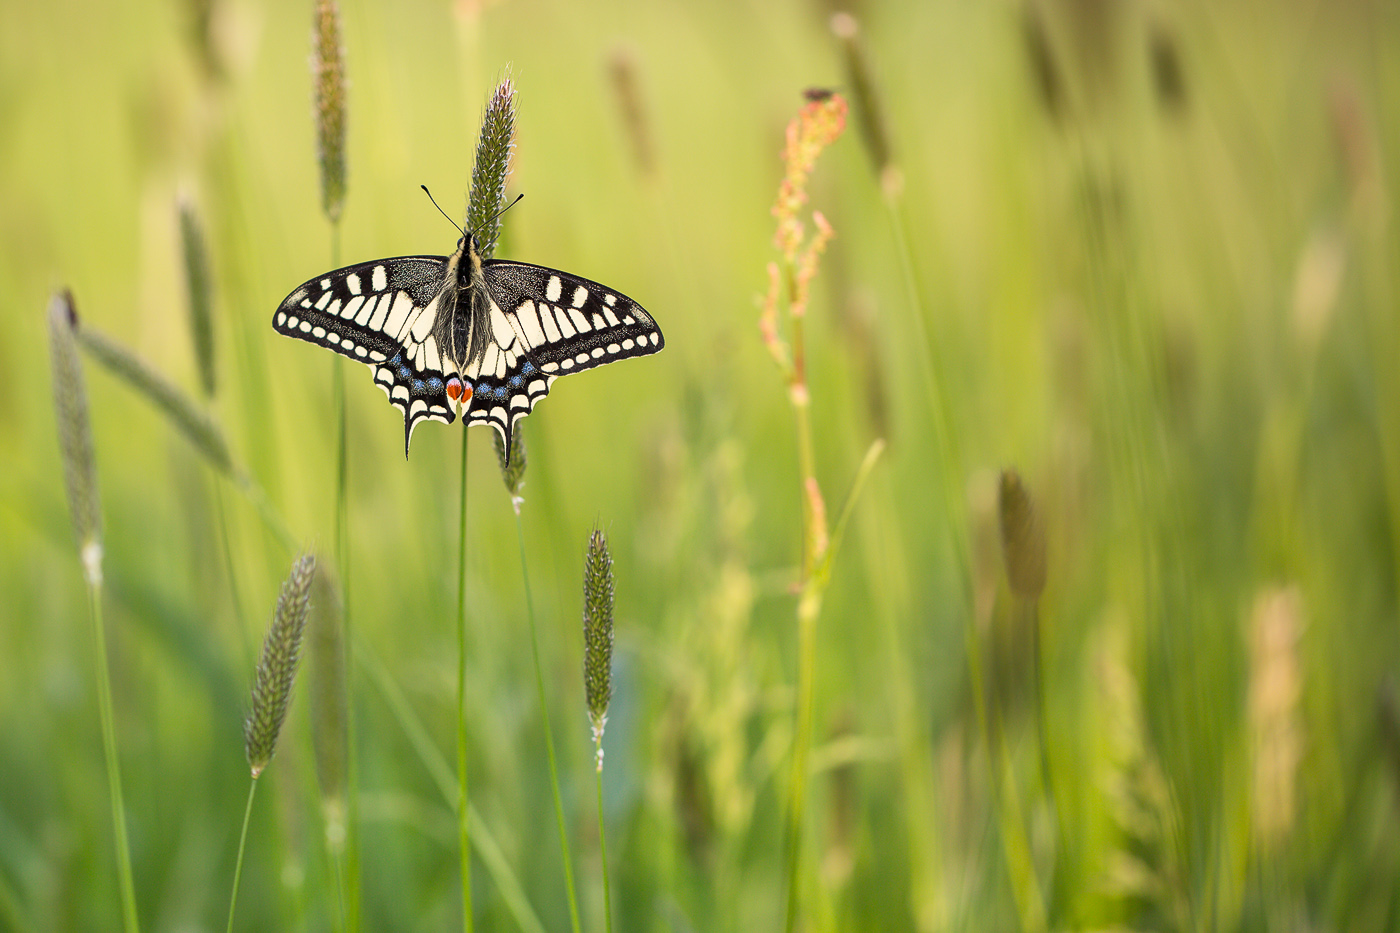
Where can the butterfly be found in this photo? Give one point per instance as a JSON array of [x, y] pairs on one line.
[[459, 333]]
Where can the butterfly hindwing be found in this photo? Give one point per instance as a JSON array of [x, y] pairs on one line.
[[382, 314]]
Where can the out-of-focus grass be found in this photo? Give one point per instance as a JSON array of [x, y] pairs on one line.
[[1167, 302]]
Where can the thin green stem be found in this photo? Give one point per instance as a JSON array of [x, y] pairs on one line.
[[109, 746], [242, 841], [603, 839], [808, 609], [548, 733], [349, 873], [463, 799]]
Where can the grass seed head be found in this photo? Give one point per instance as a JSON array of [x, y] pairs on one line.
[[328, 87], [597, 633], [75, 434], [277, 668]]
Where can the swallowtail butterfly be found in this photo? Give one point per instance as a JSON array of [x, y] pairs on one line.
[[487, 337]]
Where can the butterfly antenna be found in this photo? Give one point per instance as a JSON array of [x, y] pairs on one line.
[[440, 210], [501, 211]]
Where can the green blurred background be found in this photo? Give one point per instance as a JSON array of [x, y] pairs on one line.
[[1141, 253]]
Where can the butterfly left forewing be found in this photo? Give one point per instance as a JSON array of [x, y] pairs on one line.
[[383, 314]]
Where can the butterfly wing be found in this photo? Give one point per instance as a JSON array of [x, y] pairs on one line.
[[382, 314], [546, 324]]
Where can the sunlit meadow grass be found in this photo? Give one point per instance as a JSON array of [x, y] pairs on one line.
[[1133, 268]]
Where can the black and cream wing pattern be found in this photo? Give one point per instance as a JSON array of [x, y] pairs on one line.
[[449, 334]]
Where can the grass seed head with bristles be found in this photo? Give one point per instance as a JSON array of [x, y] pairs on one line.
[[189, 418], [597, 634], [622, 69], [200, 293], [492, 167], [870, 112], [328, 81], [1022, 538], [75, 435], [329, 704], [277, 668], [512, 467]]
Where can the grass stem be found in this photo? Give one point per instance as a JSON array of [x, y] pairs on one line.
[[463, 799], [603, 843], [548, 733], [242, 842], [109, 746]]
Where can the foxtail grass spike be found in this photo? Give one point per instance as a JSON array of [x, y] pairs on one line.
[[1022, 538], [75, 435], [328, 79], [597, 634], [492, 167], [512, 464], [277, 669], [329, 704], [622, 69], [189, 418], [870, 111], [200, 294]]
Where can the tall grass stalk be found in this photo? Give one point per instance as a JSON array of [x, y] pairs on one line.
[[597, 674], [273, 681], [329, 96], [80, 481], [817, 126], [489, 173]]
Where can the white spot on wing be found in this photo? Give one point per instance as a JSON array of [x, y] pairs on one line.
[[352, 306], [491, 362], [352, 282], [554, 289], [377, 356], [565, 328], [580, 296], [610, 299], [613, 348], [379, 279], [306, 302], [500, 327], [551, 327], [334, 307], [612, 318], [627, 344], [398, 313], [581, 358], [566, 364], [324, 300], [519, 401], [424, 325], [598, 321], [361, 351], [325, 283], [530, 323], [430, 351], [281, 319], [580, 321], [318, 332], [306, 327], [375, 312], [349, 344], [550, 367], [597, 352]]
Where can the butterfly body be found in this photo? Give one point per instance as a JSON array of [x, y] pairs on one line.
[[449, 334]]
